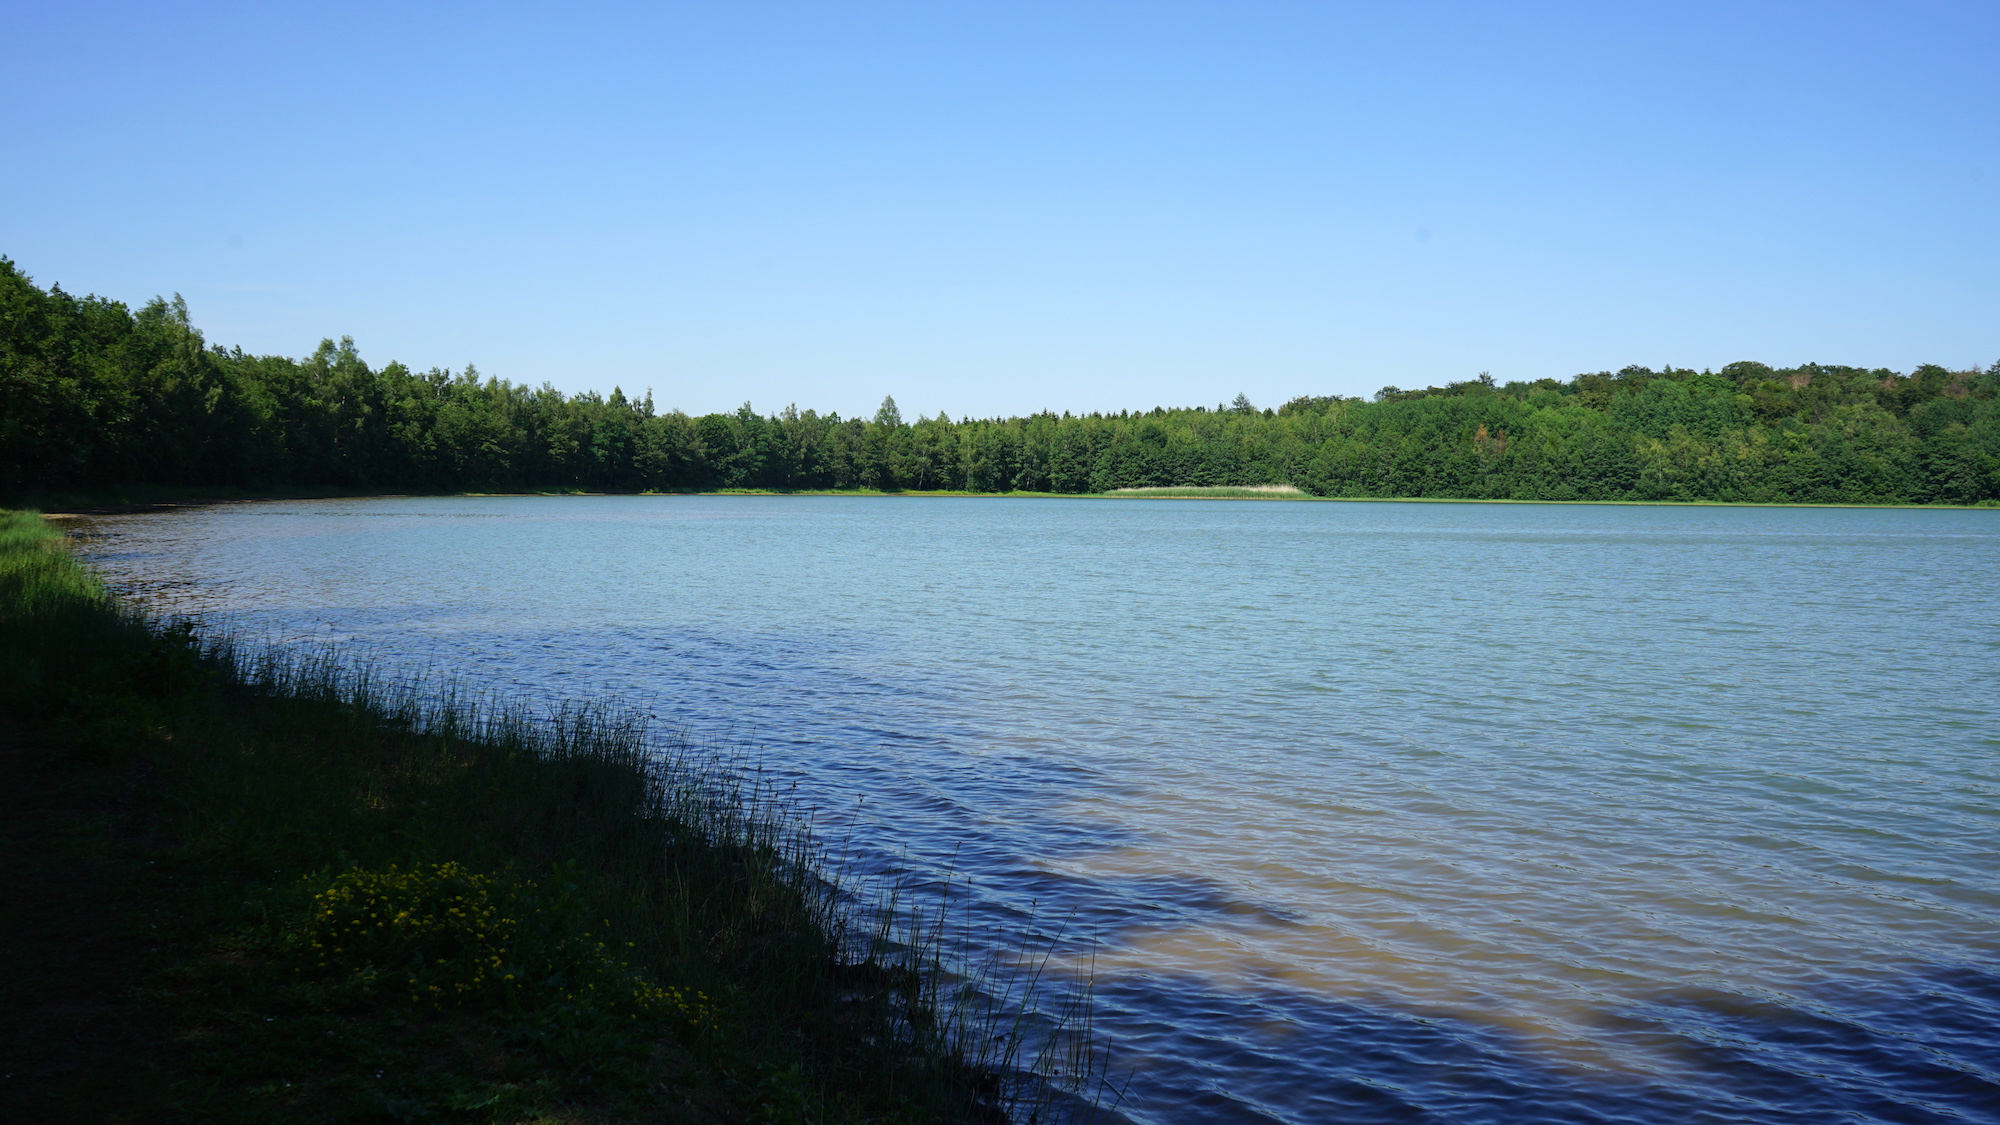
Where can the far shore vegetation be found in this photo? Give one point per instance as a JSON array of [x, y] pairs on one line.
[[249, 885], [97, 397]]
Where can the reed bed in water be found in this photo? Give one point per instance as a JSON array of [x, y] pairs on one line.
[[399, 899], [1218, 492]]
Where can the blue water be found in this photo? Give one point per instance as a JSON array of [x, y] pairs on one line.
[[1377, 812]]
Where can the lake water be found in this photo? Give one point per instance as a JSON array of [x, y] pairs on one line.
[[1377, 812]]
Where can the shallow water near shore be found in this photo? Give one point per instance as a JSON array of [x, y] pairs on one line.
[[1377, 812]]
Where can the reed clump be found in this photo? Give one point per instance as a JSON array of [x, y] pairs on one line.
[[396, 899]]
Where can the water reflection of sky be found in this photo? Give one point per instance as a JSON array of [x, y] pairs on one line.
[[1379, 812]]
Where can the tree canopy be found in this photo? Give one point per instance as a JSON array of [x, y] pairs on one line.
[[94, 393]]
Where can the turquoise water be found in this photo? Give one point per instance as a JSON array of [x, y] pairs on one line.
[[1378, 812]]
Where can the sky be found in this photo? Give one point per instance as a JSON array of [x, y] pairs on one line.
[[990, 209]]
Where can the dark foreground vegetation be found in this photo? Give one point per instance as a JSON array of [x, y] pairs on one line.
[[94, 394], [244, 887]]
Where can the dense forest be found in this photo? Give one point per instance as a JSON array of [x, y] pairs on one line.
[[95, 394]]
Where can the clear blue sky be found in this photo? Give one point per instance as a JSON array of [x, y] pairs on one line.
[[1003, 207]]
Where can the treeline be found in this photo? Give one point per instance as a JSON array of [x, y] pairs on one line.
[[95, 394]]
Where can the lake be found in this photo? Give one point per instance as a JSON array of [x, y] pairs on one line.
[[1375, 811]]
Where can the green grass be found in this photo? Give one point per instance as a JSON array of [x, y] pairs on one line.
[[142, 497], [1220, 492], [379, 900]]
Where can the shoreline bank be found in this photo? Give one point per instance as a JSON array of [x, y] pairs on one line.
[[71, 506], [652, 942]]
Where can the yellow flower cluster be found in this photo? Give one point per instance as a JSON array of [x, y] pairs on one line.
[[446, 934], [440, 931], [693, 1005]]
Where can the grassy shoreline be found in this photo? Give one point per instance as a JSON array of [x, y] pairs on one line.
[[356, 900], [165, 498]]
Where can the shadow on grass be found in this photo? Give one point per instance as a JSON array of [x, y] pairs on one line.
[[557, 920]]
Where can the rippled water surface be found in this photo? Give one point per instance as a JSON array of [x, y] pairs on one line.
[[1380, 812]]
